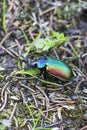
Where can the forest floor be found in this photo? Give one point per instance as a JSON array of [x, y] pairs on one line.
[[30, 29]]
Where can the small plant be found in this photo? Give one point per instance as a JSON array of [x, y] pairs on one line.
[[35, 122], [51, 42]]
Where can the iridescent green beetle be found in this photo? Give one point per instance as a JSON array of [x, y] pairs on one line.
[[55, 67]]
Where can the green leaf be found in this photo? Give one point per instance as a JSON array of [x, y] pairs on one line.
[[4, 15], [40, 43], [30, 112], [3, 127], [33, 73], [25, 36], [59, 37], [1, 76], [54, 40], [30, 46], [28, 72], [19, 65]]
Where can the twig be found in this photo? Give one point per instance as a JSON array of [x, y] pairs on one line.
[[16, 122], [48, 10], [4, 102], [47, 99], [52, 125], [84, 128], [13, 112], [76, 53], [7, 51], [5, 38], [25, 86], [2, 92]]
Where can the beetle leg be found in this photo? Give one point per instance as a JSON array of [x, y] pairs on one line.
[[44, 73]]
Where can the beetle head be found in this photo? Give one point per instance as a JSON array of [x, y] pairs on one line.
[[39, 63]]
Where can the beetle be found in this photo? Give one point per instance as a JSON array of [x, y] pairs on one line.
[[55, 67]]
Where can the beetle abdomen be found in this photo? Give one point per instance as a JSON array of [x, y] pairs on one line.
[[59, 69]]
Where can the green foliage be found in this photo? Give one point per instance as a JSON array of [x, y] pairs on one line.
[[21, 122], [43, 44], [59, 38], [19, 65], [3, 127], [33, 73], [54, 40], [28, 72], [35, 122], [30, 46], [4, 15], [1, 76], [25, 36], [30, 112], [4, 115]]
